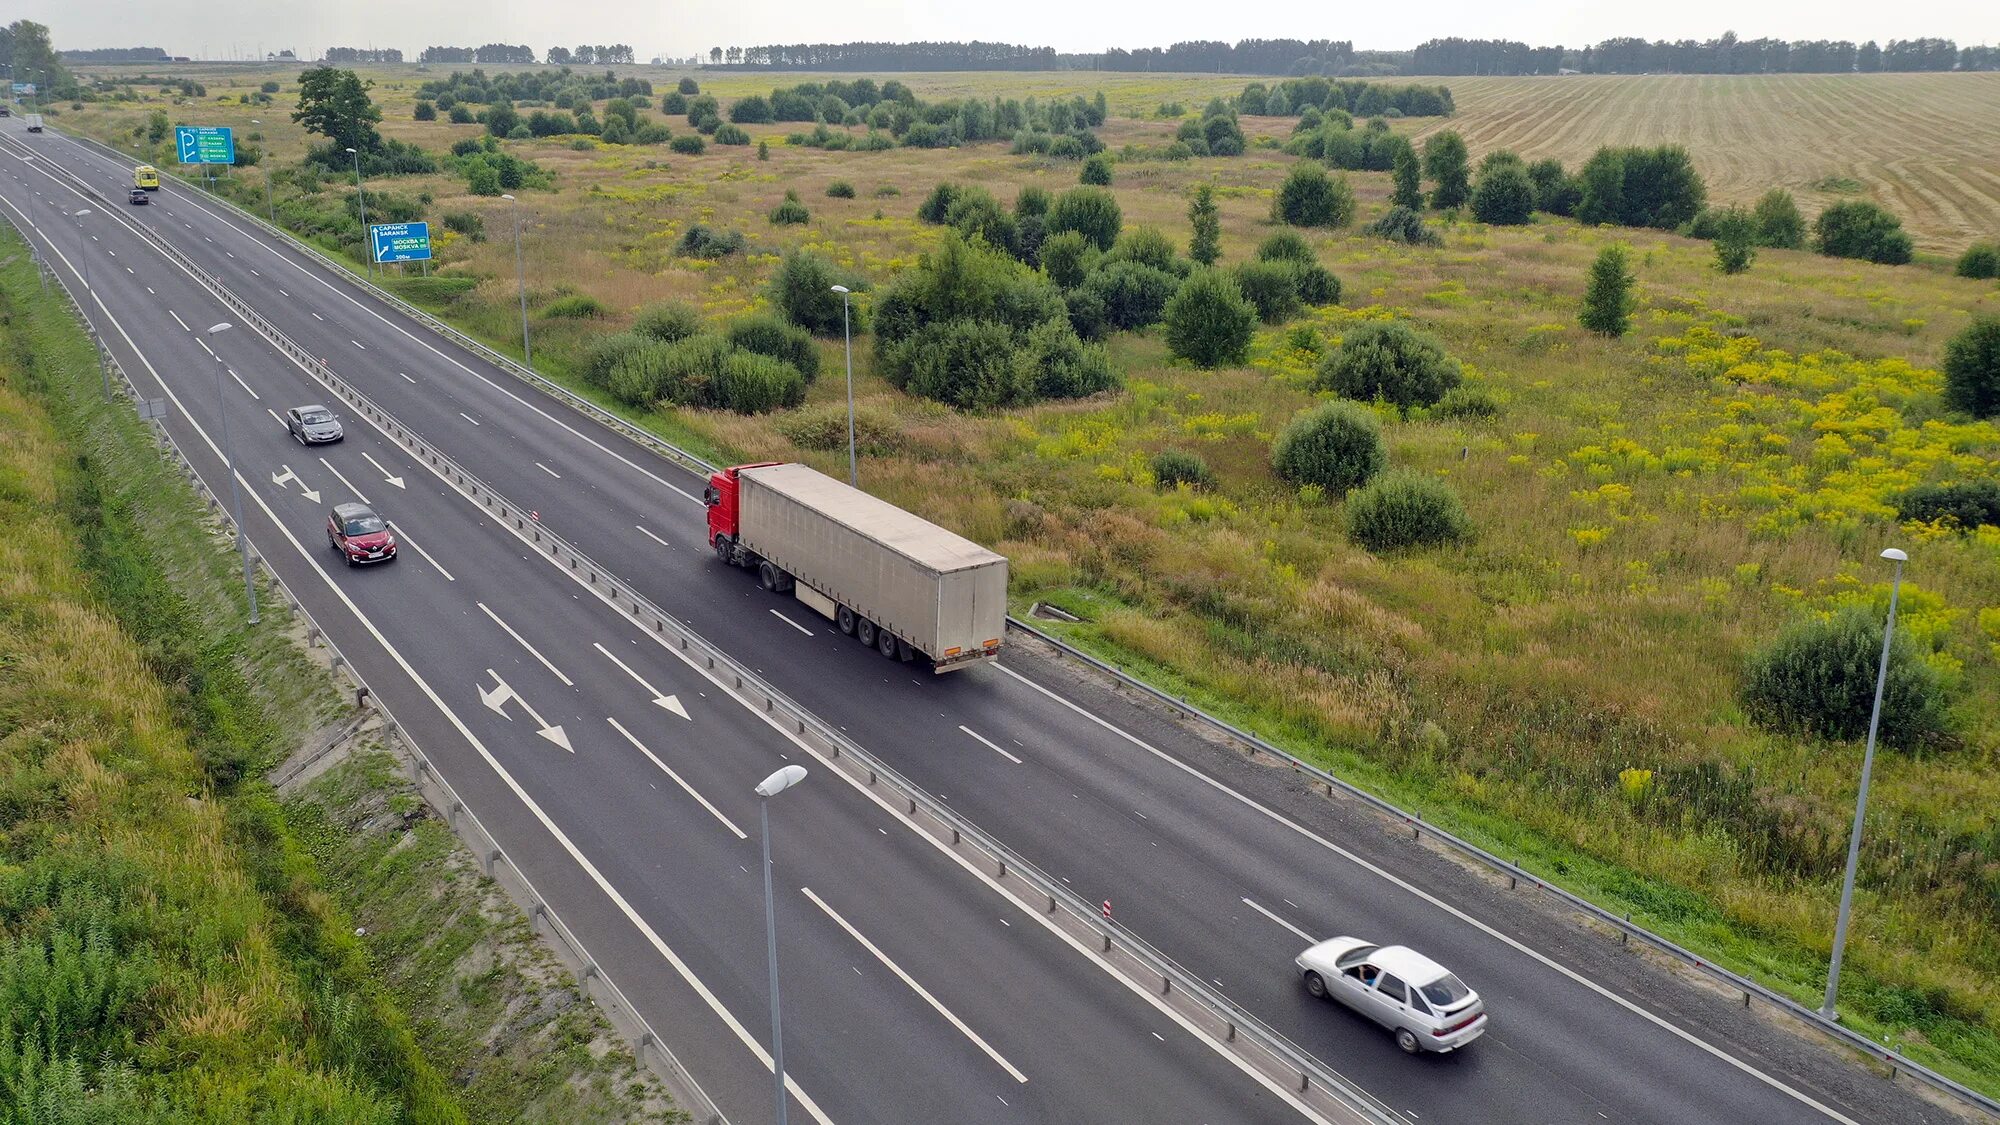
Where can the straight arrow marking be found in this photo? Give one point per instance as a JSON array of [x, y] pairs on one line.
[[386, 475], [670, 702]]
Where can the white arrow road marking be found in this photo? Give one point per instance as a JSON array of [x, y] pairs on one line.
[[532, 650], [668, 770], [344, 480], [670, 702], [279, 479], [386, 474], [1303, 936], [496, 701]]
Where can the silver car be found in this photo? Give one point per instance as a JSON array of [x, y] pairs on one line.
[[1420, 1000], [313, 425]]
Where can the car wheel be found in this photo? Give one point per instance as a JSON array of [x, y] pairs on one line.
[[1315, 986], [885, 643], [865, 632], [1408, 1041], [845, 619]]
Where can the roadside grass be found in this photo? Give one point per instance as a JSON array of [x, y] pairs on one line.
[[1647, 511]]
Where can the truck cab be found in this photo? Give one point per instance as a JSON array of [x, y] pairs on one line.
[[146, 176], [724, 533]]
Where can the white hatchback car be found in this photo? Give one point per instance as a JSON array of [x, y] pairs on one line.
[[1413, 996]]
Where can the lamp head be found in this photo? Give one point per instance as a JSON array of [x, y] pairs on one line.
[[782, 780], [1895, 554], [841, 289]]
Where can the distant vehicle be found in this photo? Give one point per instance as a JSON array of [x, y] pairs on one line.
[[5, 112], [358, 535], [313, 425], [898, 583], [34, 123], [138, 196], [1413, 996], [146, 176]]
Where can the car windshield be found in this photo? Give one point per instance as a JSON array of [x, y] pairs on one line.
[[366, 524], [1355, 956], [313, 417], [1446, 991]]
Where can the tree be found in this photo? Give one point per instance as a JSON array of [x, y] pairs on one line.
[[1448, 165], [1205, 245], [335, 104], [1818, 676], [1601, 188], [1505, 195], [1859, 229], [1390, 361], [1097, 170], [1972, 369], [1408, 175], [1335, 446], [1311, 198], [1091, 212], [1556, 191], [1779, 224], [1208, 322], [802, 290], [1735, 239], [1067, 258], [1607, 300]]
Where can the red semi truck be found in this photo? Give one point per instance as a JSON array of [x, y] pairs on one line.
[[897, 582]]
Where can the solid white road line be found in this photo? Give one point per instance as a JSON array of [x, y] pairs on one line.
[[668, 770], [548, 470], [1279, 818], [532, 650], [343, 479], [787, 620], [990, 744], [412, 544], [244, 385], [919, 989], [1304, 936]]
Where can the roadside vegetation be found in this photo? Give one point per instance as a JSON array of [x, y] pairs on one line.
[[1517, 520]]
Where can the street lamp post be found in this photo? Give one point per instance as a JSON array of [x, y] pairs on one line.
[[229, 466], [768, 788], [1861, 802], [82, 252], [521, 283], [847, 334], [360, 197]]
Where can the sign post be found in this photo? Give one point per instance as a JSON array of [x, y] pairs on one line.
[[205, 144], [400, 242]]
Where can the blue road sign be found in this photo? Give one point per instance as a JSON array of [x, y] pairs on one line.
[[401, 242], [24, 87], [205, 144]]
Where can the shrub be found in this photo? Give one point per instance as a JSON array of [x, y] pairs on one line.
[[1134, 294], [753, 110], [1859, 229], [425, 111], [755, 384], [1817, 677], [471, 224], [966, 363], [1401, 224], [461, 115], [1391, 361], [1980, 260], [690, 370], [602, 354], [1779, 224], [768, 335], [791, 211], [688, 87], [1406, 509], [1033, 200], [840, 189], [974, 213], [1316, 284], [1148, 247], [1467, 401], [577, 306], [1407, 175], [1972, 368], [688, 144], [1067, 258], [1056, 364], [652, 133], [1208, 321], [1640, 187], [825, 429], [1966, 504], [1336, 446], [668, 322], [636, 375], [1175, 467], [1556, 191], [1089, 211], [731, 135], [1205, 244], [1311, 198], [938, 203], [1735, 239], [706, 242], [674, 102], [802, 290], [1286, 246], [1448, 165], [1607, 299], [1505, 195], [701, 107], [1272, 287], [1096, 170]]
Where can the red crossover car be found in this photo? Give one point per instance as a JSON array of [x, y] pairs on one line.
[[359, 535]]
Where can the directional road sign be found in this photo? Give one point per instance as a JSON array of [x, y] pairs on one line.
[[401, 242], [205, 144], [24, 87]]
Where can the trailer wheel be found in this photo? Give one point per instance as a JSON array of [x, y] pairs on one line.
[[865, 632], [846, 620], [886, 643], [767, 576]]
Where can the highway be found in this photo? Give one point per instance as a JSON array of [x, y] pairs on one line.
[[1227, 867]]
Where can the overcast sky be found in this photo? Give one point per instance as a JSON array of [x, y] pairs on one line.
[[243, 28]]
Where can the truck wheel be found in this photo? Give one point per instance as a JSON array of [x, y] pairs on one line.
[[767, 576], [865, 632], [722, 549], [886, 642], [845, 619]]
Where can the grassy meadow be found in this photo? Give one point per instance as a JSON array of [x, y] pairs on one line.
[[1648, 509]]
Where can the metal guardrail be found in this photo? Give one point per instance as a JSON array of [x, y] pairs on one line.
[[1898, 1063], [494, 861], [1127, 956]]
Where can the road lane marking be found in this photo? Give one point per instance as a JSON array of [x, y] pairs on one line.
[[179, 321], [468, 417], [205, 347], [532, 650], [786, 620], [406, 377], [668, 770], [282, 293], [411, 543], [343, 479], [670, 702], [357, 343], [496, 702], [1280, 921], [278, 420], [241, 383], [318, 317], [387, 476], [990, 744], [654, 538], [919, 989], [548, 470]]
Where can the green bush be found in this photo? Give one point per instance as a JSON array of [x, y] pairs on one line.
[[471, 224], [425, 111], [1089, 211], [1067, 258], [637, 373], [1059, 365], [1556, 191], [1965, 504], [1401, 224], [1096, 170], [1448, 163], [1607, 298], [1175, 467], [688, 144], [1972, 369], [1134, 295], [791, 211], [824, 429], [969, 364], [1391, 361], [768, 335], [1859, 229], [731, 134], [1209, 323], [1779, 224], [706, 242], [1148, 246], [1311, 198], [602, 355], [938, 203], [840, 189], [668, 322], [577, 306], [1286, 246], [1467, 401], [434, 291], [1735, 234], [1335, 446], [1504, 195], [802, 290], [1406, 509], [756, 384], [1980, 260], [1817, 678], [1272, 287]]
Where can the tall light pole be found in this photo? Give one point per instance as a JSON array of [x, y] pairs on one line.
[[82, 251], [768, 788], [521, 282], [847, 333], [1861, 803], [367, 241], [270, 197], [229, 466]]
